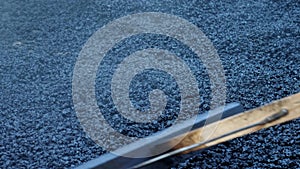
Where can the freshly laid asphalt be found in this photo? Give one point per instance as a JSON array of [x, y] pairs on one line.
[[258, 43]]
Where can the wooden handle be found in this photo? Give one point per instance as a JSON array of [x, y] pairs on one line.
[[291, 103]]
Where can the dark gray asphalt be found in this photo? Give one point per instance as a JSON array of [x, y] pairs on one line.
[[257, 41]]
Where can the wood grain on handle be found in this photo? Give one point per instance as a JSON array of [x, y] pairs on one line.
[[291, 103]]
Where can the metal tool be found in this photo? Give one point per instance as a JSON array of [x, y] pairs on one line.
[[233, 124]]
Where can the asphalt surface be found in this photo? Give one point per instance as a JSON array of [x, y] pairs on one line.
[[258, 43]]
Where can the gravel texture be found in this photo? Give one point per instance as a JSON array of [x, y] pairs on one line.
[[257, 41]]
